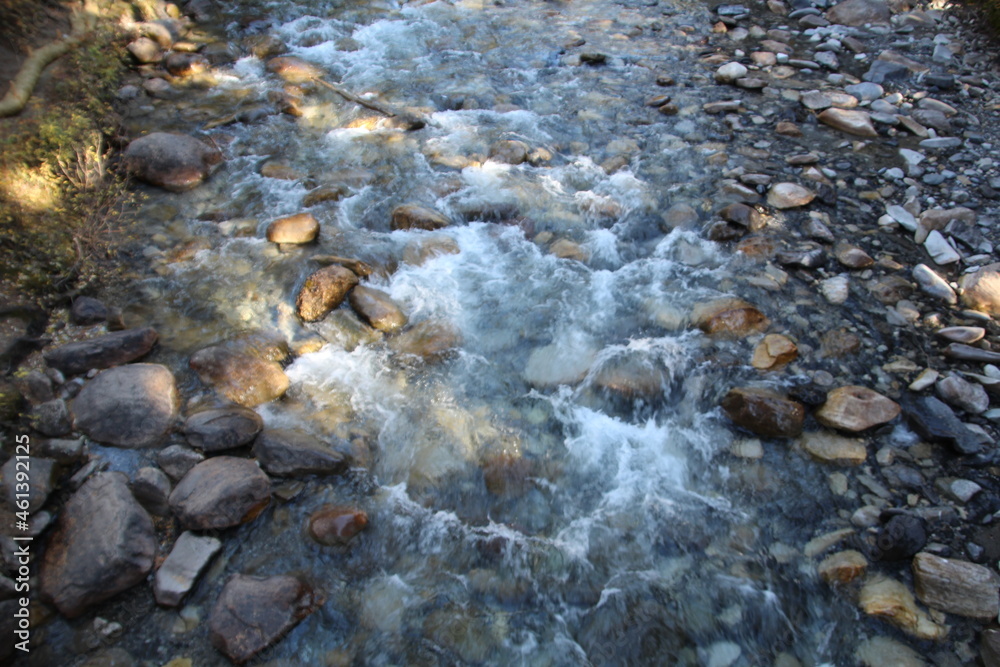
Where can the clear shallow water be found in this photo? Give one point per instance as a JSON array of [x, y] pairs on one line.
[[522, 510]]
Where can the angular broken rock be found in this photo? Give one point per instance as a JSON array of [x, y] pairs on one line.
[[220, 492], [962, 394], [854, 408], [377, 308], [774, 352], [729, 318], [222, 428], [254, 612], [113, 349], [956, 586], [323, 291], [789, 195], [850, 121], [892, 601], [842, 567], [934, 421], [174, 162], [128, 406], [181, 569], [764, 412], [290, 452], [103, 543]]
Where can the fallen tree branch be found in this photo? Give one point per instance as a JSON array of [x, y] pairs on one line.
[[31, 70], [412, 120]]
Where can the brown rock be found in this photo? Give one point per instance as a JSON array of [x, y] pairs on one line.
[[113, 349], [103, 543], [174, 162], [377, 308], [415, 216], [298, 228], [323, 291], [419, 251], [833, 448], [325, 193], [774, 352], [856, 13], [852, 256], [294, 70], [743, 215], [838, 343], [254, 612], [430, 340], [729, 318], [892, 601], [510, 151], [220, 492], [128, 406], [842, 567], [632, 376], [291, 453], [333, 526], [853, 408], [981, 290], [891, 289], [222, 428], [764, 412], [851, 121], [956, 586], [788, 129], [240, 374]]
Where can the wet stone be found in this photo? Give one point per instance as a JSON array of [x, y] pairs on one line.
[[891, 289], [833, 448], [956, 586], [128, 406], [219, 493], [892, 601], [981, 290], [429, 341], [843, 567], [764, 412], [180, 571], [933, 420], [241, 376], [291, 453], [789, 195], [105, 351], [336, 526], [299, 228], [294, 70], [254, 612], [742, 215], [511, 151], [415, 216], [377, 308], [103, 543], [174, 162], [729, 318], [222, 428], [774, 352], [852, 256], [854, 408], [51, 418], [323, 291]]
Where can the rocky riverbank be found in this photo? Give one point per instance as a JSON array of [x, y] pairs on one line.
[[856, 190]]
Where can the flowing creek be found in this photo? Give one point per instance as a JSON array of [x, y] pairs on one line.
[[560, 490]]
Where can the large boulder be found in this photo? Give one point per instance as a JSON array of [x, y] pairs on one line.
[[113, 349], [220, 492], [254, 612], [128, 406], [222, 428], [323, 291], [764, 412], [853, 408], [103, 543], [240, 373], [289, 452], [172, 161]]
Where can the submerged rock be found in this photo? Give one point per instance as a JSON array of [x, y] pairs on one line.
[[240, 373], [415, 216], [174, 162], [113, 349], [103, 544], [854, 408], [764, 412], [729, 318], [128, 406], [429, 341], [290, 452], [254, 612], [220, 492], [377, 308], [335, 526]]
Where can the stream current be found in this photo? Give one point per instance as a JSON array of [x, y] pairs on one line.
[[527, 505]]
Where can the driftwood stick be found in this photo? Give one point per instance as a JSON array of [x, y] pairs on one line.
[[31, 70], [414, 121]]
